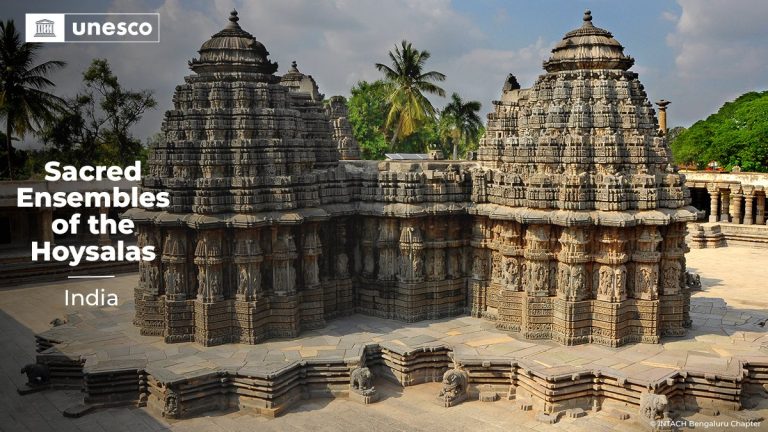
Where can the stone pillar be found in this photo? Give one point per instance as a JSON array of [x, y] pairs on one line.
[[387, 244], [209, 261], [150, 280], [368, 247], [714, 193], [646, 257], [760, 213], [736, 204], [411, 253], [283, 255], [311, 254], [663, 115], [104, 239], [537, 267], [248, 258], [46, 220], [724, 204], [748, 199], [174, 259], [572, 271]]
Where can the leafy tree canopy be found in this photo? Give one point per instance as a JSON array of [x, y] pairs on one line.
[[409, 108], [25, 103], [368, 110], [367, 114], [461, 123], [736, 135], [96, 127]]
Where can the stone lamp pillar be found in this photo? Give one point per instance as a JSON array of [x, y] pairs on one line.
[[663, 115]]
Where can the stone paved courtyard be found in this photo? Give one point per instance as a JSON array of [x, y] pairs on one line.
[[726, 316]]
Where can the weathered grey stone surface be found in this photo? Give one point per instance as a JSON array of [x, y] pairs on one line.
[[571, 226], [337, 112], [726, 332], [721, 368]]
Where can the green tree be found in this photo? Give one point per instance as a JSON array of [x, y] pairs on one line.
[[120, 108], [409, 108], [25, 102], [426, 137], [96, 128], [367, 114], [462, 123], [736, 135]]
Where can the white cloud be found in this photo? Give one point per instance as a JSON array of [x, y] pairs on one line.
[[669, 16], [336, 41], [718, 47], [479, 73], [720, 52]]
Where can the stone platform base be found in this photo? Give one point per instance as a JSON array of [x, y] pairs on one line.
[[722, 234], [363, 399], [116, 365]]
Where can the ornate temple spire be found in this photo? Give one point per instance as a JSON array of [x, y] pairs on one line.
[[297, 81], [588, 47], [233, 50]]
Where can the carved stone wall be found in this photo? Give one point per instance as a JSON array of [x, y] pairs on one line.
[[570, 227]]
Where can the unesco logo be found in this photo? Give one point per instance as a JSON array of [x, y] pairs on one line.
[[44, 28], [95, 28]]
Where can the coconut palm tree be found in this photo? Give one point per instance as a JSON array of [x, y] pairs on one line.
[[463, 121], [409, 108], [24, 101]]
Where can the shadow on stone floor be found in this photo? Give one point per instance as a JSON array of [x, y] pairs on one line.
[[706, 282], [41, 412], [713, 316], [388, 389]]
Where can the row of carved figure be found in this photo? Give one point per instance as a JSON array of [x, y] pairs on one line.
[[214, 254], [573, 281], [536, 258]]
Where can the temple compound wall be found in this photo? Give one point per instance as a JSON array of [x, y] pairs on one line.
[[570, 225], [732, 209]]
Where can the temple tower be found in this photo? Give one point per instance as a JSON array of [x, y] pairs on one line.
[[249, 160], [578, 166]]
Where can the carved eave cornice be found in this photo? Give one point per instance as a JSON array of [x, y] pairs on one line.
[[619, 219]]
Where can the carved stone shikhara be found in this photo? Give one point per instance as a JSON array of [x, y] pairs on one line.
[[569, 226]]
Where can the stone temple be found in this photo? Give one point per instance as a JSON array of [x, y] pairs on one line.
[[570, 225]]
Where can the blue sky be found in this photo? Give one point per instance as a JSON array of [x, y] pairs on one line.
[[696, 53]]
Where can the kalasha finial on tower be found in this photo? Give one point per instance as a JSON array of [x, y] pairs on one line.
[[233, 19], [587, 16]]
